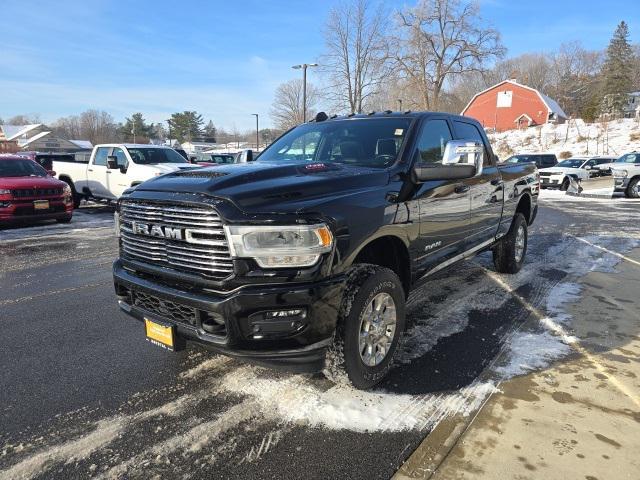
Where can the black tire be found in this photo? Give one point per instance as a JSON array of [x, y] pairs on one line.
[[77, 198], [64, 219], [366, 282], [505, 256], [632, 189], [565, 184]]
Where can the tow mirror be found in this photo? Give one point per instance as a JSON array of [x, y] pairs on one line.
[[461, 159], [112, 162], [246, 156]]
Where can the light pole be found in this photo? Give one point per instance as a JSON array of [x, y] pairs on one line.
[[304, 67], [169, 123], [257, 133]]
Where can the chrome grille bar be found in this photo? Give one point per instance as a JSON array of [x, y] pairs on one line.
[[211, 259]]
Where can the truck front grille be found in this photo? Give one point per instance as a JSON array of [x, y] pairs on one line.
[[197, 243], [36, 192]]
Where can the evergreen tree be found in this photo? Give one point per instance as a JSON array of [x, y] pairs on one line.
[[186, 126], [135, 129], [210, 130], [617, 71]]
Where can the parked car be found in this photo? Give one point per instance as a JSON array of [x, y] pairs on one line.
[[542, 160], [315, 244], [113, 168], [628, 158], [626, 174], [578, 168], [29, 193], [45, 160]]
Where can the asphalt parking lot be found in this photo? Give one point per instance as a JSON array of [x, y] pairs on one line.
[[497, 377]]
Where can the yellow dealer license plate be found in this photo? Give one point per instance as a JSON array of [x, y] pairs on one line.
[[41, 205], [160, 335]]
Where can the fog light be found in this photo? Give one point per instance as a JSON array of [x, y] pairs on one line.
[[5, 204], [298, 312]]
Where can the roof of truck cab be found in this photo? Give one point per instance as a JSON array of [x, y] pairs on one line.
[[391, 114], [132, 145]]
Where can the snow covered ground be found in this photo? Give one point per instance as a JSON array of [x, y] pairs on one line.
[[612, 138]]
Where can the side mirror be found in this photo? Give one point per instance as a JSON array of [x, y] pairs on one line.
[[51, 173], [464, 152], [246, 156], [588, 167], [112, 162]]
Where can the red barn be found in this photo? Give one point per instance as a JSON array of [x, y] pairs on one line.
[[509, 105]]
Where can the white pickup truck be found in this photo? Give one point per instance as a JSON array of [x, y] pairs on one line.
[[113, 168]]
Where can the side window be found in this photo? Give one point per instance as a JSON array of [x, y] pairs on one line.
[[590, 163], [468, 131], [548, 161], [101, 156], [119, 154], [433, 138]]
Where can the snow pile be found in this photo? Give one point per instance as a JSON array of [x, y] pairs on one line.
[[612, 138]]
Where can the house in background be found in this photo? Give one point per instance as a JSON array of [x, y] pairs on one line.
[[36, 137], [510, 105]]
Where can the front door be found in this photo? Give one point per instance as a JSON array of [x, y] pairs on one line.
[[443, 204], [117, 181], [97, 173], [486, 189]]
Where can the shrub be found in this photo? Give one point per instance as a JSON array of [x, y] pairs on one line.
[[581, 138], [634, 136], [565, 154]]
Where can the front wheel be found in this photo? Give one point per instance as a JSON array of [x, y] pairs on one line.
[[633, 190], [509, 252], [370, 324], [565, 184]]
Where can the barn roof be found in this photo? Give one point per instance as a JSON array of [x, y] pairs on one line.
[[550, 103]]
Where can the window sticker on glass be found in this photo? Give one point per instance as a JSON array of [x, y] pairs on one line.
[[399, 132]]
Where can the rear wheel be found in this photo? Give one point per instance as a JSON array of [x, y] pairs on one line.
[[633, 190], [370, 324], [77, 198], [565, 184], [509, 253]]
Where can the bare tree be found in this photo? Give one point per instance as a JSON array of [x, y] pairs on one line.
[[356, 56], [286, 110], [68, 127], [97, 127], [440, 40], [28, 119]]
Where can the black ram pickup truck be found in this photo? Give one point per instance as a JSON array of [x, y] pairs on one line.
[[315, 244]]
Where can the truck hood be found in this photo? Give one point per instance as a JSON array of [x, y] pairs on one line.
[[12, 183], [559, 169], [168, 167], [262, 186]]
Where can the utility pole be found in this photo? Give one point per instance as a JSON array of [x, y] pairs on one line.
[[399, 104], [304, 67], [257, 133]]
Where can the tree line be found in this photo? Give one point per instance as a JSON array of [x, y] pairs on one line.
[[435, 55]]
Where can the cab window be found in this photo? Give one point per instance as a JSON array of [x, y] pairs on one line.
[[120, 156], [101, 156], [468, 131], [432, 141]]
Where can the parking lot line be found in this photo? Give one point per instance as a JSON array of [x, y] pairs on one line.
[[619, 255], [570, 340]]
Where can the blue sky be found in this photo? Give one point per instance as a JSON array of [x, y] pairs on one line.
[[221, 58]]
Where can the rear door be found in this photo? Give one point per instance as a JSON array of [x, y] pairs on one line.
[[486, 189], [97, 173], [443, 204]]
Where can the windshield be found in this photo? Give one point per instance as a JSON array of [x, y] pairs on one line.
[[571, 163], [21, 168], [629, 158], [152, 156], [364, 142], [222, 159]]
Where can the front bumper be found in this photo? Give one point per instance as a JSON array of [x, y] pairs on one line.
[[621, 183], [550, 181], [23, 210], [242, 329]]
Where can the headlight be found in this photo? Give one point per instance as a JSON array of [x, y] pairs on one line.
[[66, 190], [280, 246], [4, 191], [620, 173]]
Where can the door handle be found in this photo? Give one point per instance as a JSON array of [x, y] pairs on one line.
[[496, 181], [461, 188], [108, 171], [89, 170]]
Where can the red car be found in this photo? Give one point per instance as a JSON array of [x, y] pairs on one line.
[[29, 193]]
